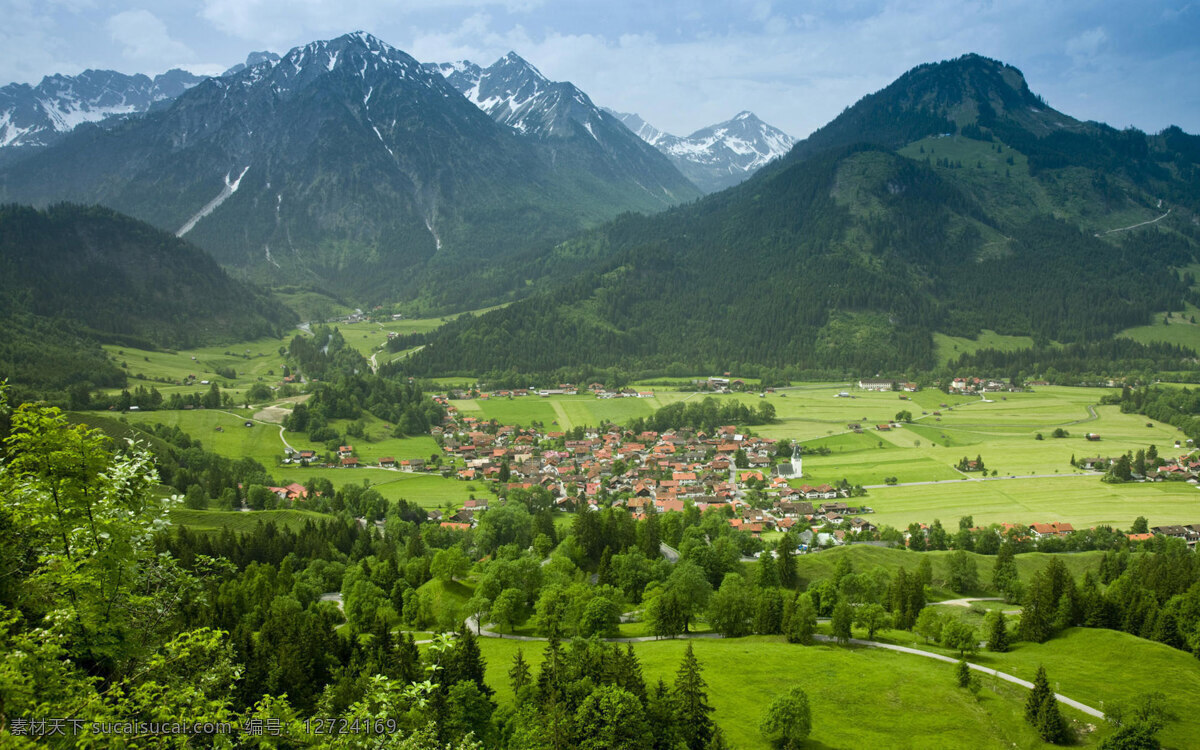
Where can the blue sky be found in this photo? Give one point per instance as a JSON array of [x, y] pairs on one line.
[[680, 64]]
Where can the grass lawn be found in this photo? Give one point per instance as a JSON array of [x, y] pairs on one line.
[[1082, 501], [238, 521], [1100, 667], [1181, 329], [950, 348], [912, 702]]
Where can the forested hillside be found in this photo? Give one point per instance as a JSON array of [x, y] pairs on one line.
[[847, 255], [71, 276]]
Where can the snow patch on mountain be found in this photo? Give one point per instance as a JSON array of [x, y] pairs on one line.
[[230, 188]]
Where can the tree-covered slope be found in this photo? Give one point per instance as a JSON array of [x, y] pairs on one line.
[[911, 213], [73, 275], [344, 164]]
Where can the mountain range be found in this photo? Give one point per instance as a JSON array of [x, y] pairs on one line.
[[718, 156], [36, 116], [564, 119], [952, 201], [347, 164]]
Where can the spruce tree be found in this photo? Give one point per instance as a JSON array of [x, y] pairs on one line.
[[1040, 693], [518, 675], [629, 673], [963, 674], [691, 703], [786, 564], [1041, 711], [660, 712], [998, 633]]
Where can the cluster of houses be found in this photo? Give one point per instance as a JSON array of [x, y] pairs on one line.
[[599, 390], [347, 460], [1184, 468], [981, 385], [644, 471], [1189, 533]]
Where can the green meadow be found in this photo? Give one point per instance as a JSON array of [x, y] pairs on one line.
[[860, 697], [1181, 329], [1034, 480], [950, 348], [239, 521]]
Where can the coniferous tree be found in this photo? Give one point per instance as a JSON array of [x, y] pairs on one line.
[[691, 703], [1041, 710], [766, 573], [998, 633], [518, 674], [768, 612], [660, 712], [629, 672]]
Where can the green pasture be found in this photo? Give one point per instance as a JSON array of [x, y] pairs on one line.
[[950, 348], [1001, 429], [243, 521], [860, 697], [1180, 329], [1080, 500]]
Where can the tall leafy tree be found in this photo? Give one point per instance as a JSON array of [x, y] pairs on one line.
[[787, 721], [611, 718]]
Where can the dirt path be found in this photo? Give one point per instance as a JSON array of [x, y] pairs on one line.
[[1135, 226]]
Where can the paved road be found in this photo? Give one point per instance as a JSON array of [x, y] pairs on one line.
[[336, 598]]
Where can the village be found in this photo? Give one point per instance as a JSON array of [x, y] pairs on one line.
[[756, 483]]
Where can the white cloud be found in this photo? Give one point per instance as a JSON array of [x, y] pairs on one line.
[[283, 21], [1087, 45], [144, 38]]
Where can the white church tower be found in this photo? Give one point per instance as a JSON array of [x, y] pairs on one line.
[[797, 463]]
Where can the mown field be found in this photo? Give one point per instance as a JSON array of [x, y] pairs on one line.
[[238, 521], [860, 697]]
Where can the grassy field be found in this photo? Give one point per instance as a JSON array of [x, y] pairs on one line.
[[1082, 501], [859, 697], [950, 348], [237, 521], [1181, 329], [1100, 668]]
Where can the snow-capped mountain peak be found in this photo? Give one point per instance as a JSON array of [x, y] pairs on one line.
[[515, 93], [35, 116], [718, 156]]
